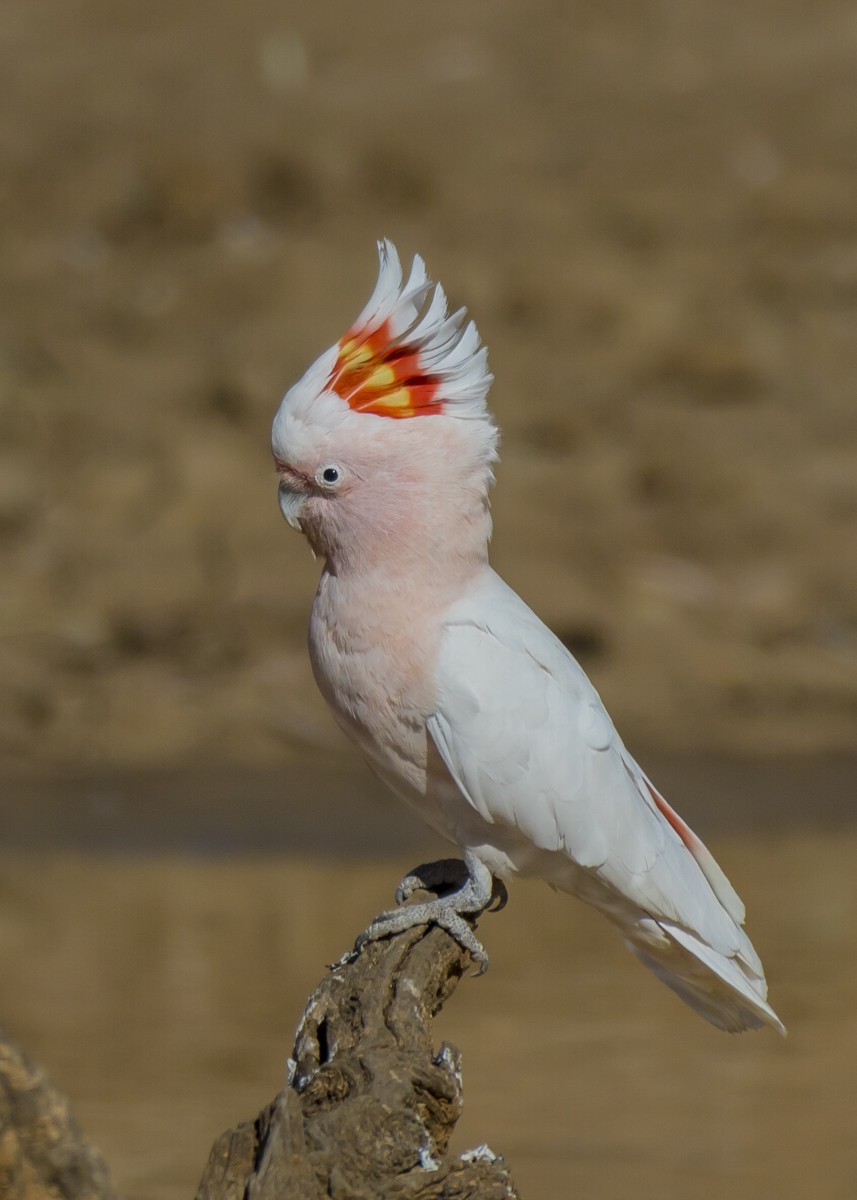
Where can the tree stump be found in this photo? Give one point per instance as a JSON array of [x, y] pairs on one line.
[[369, 1106], [366, 1114]]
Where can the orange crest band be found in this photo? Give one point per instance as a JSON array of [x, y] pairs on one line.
[[379, 375]]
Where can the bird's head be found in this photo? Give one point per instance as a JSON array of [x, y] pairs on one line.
[[386, 445]]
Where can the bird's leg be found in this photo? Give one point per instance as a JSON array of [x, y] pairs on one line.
[[447, 875], [474, 894]]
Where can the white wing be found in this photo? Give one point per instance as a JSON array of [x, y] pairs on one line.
[[531, 747]]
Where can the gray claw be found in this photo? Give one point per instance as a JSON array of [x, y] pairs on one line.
[[348, 957], [499, 896], [407, 887]]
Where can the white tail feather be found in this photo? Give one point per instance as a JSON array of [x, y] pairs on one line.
[[726, 991]]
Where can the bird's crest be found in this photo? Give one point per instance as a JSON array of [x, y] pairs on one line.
[[406, 355]]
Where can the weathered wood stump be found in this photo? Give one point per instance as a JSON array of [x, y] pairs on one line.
[[369, 1107], [366, 1114]]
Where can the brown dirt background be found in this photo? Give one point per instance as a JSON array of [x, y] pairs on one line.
[[651, 211]]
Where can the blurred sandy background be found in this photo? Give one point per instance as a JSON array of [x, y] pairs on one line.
[[651, 211]]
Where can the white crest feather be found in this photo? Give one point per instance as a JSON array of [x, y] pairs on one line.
[[394, 300], [405, 355], [448, 345]]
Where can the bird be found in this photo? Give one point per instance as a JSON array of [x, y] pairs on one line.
[[463, 702]]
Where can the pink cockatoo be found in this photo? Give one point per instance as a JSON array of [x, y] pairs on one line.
[[462, 701]]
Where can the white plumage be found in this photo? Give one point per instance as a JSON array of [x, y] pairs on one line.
[[532, 749], [461, 699]]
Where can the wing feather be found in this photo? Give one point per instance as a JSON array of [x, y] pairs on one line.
[[530, 746]]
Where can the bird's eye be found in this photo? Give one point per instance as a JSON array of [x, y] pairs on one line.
[[328, 476]]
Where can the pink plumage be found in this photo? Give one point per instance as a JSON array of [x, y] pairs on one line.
[[462, 701]]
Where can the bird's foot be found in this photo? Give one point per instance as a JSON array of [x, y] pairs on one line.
[[474, 891], [433, 912]]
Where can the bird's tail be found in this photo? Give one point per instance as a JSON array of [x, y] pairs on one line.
[[728, 991]]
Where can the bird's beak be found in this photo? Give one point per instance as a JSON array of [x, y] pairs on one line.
[[291, 503]]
